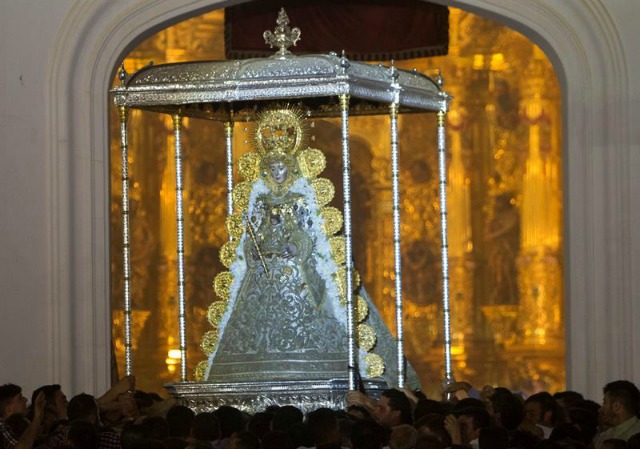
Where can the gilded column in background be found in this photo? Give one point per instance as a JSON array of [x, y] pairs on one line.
[[539, 272], [461, 265]]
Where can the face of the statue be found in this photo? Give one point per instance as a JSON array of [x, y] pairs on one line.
[[278, 171]]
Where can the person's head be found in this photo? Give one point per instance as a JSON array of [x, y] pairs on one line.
[[260, 423], [403, 436], [621, 402], [83, 406], [179, 420], [393, 408], [568, 399], [285, 417], [586, 421], [472, 420], [507, 409], [55, 407], [133, 436], [433, 424], [244, 440], [301, 435], [428, 406], [541, 408], [205, 427], [277, 439], [426, 441], [367, 434], [143, 401], [323, 423], [82, 435], [12, 401], [493, 438], [231, 420], [155, 427]]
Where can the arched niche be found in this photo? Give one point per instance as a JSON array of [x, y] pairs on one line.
[[578, 37]]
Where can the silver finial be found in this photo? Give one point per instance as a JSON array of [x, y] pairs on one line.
[[282, 36], [344, 62], [439, 79], [393, 72], [122, 75]]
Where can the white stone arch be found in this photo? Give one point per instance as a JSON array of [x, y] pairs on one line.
[[578, 36]]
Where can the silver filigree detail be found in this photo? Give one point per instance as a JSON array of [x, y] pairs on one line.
[[282, 36]]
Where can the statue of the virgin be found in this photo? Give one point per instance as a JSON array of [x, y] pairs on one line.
[[281, 313]]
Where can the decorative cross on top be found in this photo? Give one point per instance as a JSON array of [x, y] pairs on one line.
[[283, 36]]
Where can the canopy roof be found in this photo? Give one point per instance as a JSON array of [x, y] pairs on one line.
[[221, 90]]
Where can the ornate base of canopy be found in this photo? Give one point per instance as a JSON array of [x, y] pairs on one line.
[[253, 397]]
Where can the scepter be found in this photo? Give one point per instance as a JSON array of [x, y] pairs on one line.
[[255, 242]]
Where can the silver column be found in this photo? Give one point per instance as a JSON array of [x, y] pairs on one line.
[[228, 133], [346, 192], [126, 243], [177, 130], [397, 255], [446, 309]]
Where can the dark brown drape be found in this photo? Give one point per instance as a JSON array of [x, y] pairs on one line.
[[365, 30]]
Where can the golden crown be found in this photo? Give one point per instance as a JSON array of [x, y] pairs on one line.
[[280, 130]]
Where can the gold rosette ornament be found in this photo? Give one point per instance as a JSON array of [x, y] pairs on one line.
[[215, 312], [312, 162], [331, 220], [228, 253], [209, 341], [249, 166], [338, 250], [374, 365], [366, 337], [362, 309], [324, 191], [222, 285], [200, 371], [235, 226], [241, 195]]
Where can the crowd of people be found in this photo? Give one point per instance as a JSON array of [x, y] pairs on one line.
[[492, 418]]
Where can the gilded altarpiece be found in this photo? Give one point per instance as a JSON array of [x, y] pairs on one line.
[[505, 212]]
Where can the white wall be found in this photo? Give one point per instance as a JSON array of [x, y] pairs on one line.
[[54, 177], [27, 33]]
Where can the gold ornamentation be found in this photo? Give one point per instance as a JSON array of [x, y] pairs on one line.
[[210, 341], [228, 253], [375, 365], [362, 309], [215, 312], [366, 337], [222, 284], [241, 195], [200, 371], [324, 191], [280, 130], [312, 162], [331, 220], [341, 280], [235, 226], [338, 250], [249, 166]]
